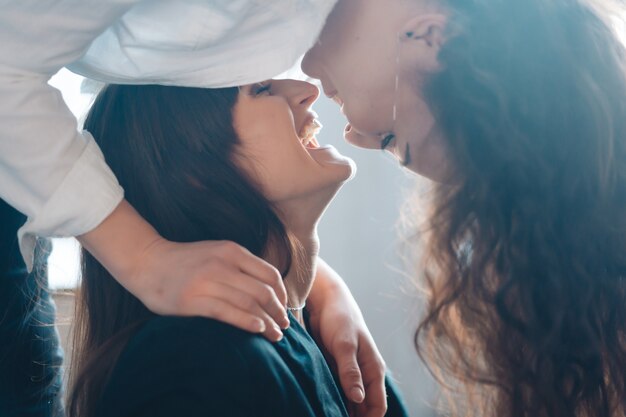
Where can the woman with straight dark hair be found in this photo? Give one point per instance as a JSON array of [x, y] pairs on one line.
[[56, 177], [517, 111], [237, 164]]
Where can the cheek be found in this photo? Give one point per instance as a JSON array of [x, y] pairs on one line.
[[367, 93], [369, 111]]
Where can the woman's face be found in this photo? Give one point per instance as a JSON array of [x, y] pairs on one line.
[[278, 148], [363, 47]]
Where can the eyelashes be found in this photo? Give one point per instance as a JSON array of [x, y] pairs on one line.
[[407, 156], [386, 141], [261, 88]]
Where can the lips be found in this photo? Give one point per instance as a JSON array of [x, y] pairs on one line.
[[351, 135]]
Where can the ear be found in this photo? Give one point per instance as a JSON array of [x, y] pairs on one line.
[[421, 38]]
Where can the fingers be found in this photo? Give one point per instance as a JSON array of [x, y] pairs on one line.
[[225, 312], [362, 376], [236, 305], [262, 271], [364, 385], [373, 368], [245, 301], [219, 280], [375, 404], [350, 377], [261, 290], [262, 298], [223, 281]]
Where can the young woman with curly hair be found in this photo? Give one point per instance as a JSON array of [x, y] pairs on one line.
[[517, 110]]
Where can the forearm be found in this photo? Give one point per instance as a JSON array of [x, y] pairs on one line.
[[215, 279], [337, 324], [327, 281], [120, 242]]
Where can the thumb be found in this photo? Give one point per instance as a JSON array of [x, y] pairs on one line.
[[350, 377]]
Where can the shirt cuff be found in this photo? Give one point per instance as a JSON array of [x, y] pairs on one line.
[[87, 195]]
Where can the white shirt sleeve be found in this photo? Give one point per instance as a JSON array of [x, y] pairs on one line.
[[204, 43], [48, 169], [57, 175]]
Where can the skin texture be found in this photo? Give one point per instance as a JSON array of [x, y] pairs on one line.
[[301, 182], [268, 118], [389, 42], [383, 40], [298, 178], [354, 359]]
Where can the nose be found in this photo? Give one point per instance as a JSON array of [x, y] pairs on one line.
[[298, 93], [309, 64]]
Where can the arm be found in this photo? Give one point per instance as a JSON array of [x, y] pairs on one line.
[[212, 279], [59, 179], [48, 170], [337, 323]]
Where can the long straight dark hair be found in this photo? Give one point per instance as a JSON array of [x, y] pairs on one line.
[[171, 149]]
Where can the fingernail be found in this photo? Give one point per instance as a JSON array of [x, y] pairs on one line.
[[357, 394], [280, 334], [260, 326], [286, 322]]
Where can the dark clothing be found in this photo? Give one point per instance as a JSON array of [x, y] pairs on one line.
[[196, 367], [30, 356]]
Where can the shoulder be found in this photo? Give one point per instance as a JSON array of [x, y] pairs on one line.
[[195, 341], [203, 363]]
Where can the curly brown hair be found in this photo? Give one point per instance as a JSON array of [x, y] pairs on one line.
[[526, 251]]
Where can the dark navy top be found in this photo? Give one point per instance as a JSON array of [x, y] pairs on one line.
[[196, 367]]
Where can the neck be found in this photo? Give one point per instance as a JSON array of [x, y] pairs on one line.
[[299, 279], [301, 216]]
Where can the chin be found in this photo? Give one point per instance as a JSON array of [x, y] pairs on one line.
[[334, 178], [340, 171], [350, 170]]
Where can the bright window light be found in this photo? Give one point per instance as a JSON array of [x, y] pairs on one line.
[[63, 263]]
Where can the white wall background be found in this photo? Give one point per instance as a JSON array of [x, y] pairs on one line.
[[358, 239]]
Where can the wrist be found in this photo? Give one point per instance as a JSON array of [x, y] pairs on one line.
[[121, 244], [327, 283]]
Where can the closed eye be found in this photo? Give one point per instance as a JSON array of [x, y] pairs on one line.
[[386, 141], [262, 88]]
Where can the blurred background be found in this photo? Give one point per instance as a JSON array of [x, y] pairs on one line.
[[359, 239]]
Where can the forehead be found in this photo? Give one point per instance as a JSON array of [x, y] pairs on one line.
[[349, 13], [354, 21]]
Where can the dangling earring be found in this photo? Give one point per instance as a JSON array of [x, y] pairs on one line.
[[397, 81], [388, 137]]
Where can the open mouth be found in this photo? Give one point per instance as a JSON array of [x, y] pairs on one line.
[[307, 134]]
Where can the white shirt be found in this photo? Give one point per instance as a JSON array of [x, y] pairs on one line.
[[55, 174]]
